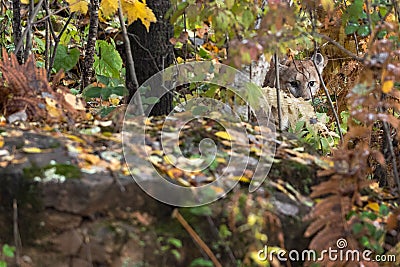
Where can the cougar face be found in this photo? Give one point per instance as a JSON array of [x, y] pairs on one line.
[[297, 77]]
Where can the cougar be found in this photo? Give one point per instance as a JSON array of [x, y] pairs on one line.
[[297, 77], [299, 82]]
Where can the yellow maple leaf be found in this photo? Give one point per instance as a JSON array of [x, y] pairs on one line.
[[109, 7], [134, 9], [78, 6]]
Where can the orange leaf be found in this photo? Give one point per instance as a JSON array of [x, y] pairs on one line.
[[387, 86]]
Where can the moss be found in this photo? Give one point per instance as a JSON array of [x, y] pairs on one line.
[[67, 170]]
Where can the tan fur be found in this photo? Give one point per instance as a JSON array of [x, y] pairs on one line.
[[297, 77]]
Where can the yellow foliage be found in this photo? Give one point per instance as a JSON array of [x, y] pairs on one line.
[[373, 206], [31, 150], [224, 135], [108, 7], [387, 86], [53, 108], [328, 5], [135, 9], [132, 9], [78, 6]]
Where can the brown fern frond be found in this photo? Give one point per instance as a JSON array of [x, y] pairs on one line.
[[25, 88]]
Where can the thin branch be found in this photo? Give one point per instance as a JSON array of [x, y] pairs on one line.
[[386, 130], [47, 40], [145, 49], [130, 63], [366, 3], [28, 40], [17, 237], [30, 23], [329, 98], [56, 42], [196, 237], [278, 94], [319, 73], [344, 50], [51, 14]]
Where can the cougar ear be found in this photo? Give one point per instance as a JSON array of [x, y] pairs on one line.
[[282, 67], [321, 61], [283, 64]]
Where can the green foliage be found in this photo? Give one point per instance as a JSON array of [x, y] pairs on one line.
[[224, 231], [200, 262], [110, 89], [103, 92], [371, 235], [201, 211], [311, 135], [110, 86], [6, 39], [107, 61], [357, 21], [253, 94], [71, 34], [227, 16], [7, 251], [170, 245], [66, 58]]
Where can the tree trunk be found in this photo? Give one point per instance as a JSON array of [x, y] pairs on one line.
[[152, 52], [87, 67], [17, 29]]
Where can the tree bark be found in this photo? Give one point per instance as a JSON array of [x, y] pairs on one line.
[[87, 67], [152, 52], [17, 29]]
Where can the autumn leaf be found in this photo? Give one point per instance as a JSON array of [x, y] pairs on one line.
[[78, 6], [373, 206], [31, 150], [387, 86], [135, 9], [108, 7], [224, 135], [328, 5], [53, 108]]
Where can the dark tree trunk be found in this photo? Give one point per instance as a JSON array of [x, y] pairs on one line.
[[17, 29], [87, 67], [152, 51]]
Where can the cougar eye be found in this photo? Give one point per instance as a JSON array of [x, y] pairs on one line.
[[311, 84], [294, 83]]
